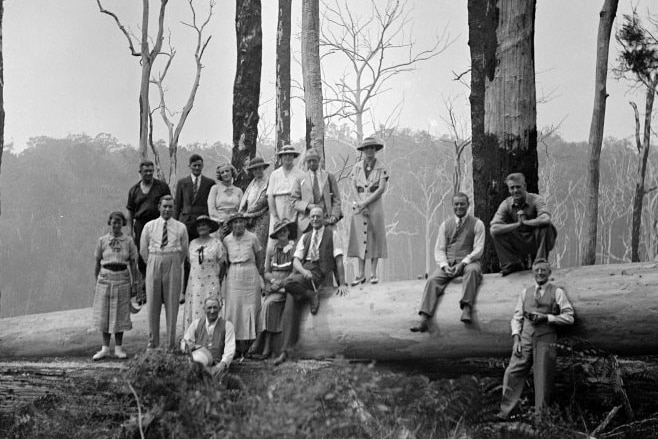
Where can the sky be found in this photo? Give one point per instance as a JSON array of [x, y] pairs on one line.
[[68, 70]]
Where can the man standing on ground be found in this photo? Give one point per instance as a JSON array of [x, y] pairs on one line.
[[540, 308], [316, 188], [192, 201], [212, 338], [164, 247], [142, 206], [521, 229], [458, 250], [318, 255]]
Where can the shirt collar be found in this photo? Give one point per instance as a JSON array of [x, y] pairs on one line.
[[522, 204], [320, 230]]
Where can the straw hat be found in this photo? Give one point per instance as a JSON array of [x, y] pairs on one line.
[[203, 356], [285, 223], [370, 141], [288, 149], [205, 219], [237, 215], [257, 162]]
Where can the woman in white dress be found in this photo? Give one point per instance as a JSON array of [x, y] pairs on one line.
[[280, 187]]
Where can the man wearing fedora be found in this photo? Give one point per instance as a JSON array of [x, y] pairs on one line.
[[279, 189], [211, 340], [316, 188]]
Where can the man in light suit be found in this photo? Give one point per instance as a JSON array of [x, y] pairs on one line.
[[191, 202], [317, 188]]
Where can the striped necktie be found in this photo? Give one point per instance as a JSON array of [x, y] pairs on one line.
[[317, 195], [165, 239], [315, 243], [538, 293]]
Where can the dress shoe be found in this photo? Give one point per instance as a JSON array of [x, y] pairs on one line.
[[281, 358], [120, 353], [511, 268], [358, 280], [374, 280], [315, 303], [500, 416], [466, 314], [104, 352], [421, 326]]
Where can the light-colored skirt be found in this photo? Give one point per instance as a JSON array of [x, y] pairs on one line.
[[243, 300], [112, 302]]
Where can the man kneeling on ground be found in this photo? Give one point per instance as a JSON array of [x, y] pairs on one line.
[[211, 340]]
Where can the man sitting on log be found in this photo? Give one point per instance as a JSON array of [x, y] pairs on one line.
[[318, 254], [211, 340], [539, 309], [521, 227], [458, 249]]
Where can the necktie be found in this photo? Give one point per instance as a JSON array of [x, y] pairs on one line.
[[537, 293], [164, 235], [316, 189], [460, 222], [196, 186], [315, 242]]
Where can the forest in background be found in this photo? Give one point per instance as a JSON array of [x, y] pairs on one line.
[[57, 194]]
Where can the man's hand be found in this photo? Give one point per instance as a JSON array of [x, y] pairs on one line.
[[521, 215], [458, 269], [450, 271], [516, 349], [307, 274], [217, 370], [537, 317], [342, 290]]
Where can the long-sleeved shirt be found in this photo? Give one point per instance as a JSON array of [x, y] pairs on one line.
[[229, 338], [564, 318], [177, 240], [440, 255]]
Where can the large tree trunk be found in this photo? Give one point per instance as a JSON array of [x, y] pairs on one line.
[[2, 87], [144, 105], [246, 88], [283, 31], [615, 308], [312, 75], [643, 149], [607, 17], [503, 103]]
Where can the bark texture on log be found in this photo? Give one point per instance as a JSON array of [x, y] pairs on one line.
[[607, 17], [312, 74], [503, 103], [616, 310], [283, 32], [246, 87]]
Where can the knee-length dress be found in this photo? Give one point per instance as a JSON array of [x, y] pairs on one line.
[[223, 201], [111, 309], [243, 285], [254, 204], [280, 187], [206, 257], [279, 263], [368, 231]]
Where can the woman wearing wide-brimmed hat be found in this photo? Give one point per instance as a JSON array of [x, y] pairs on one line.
[[280, 186], [254, 204], [243, 281], [116, 277], [368, 229], [224, 198], [207, 265], [278, 266]]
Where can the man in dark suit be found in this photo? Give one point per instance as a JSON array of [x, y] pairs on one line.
[[317, 188], [191, 202]]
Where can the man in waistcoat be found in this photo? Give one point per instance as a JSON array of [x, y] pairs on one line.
[[211, 340], [163, 246], [540, 308], [316, 188], [317, 256], [457, 252], [521, 229]]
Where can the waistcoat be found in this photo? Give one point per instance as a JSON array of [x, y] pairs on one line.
[[216, 345], [545, 305], [459, 244], [326, 250]]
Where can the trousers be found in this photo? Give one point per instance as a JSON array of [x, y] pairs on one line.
[[437, 282], [163, 287], [516, 246]]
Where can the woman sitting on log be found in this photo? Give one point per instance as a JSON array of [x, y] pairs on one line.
[[116, 276]]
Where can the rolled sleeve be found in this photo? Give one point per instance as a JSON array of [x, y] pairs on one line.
[[299, 250], [540, 206], [229, 344], [566, 309], [338, 247], [517, 318]]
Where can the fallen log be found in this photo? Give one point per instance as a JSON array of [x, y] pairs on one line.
[[616, 310]]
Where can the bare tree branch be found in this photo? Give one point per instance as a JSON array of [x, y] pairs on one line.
[[122, 28]]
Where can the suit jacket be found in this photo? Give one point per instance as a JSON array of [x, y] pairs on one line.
[[301, 196], [186, 207]]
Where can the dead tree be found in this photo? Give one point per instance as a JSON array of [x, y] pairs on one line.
[[174, 129], [638, 61], [283, 83], [607, 17], [246, 87], [147, 56], [376, 48], [503, 118], [312, 74]]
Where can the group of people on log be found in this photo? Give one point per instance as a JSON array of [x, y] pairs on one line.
[[523, 236], [242, 264]]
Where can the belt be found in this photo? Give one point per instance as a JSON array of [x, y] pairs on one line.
[[115, 267], [160, 252]]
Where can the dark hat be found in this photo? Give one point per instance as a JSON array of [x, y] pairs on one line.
[[288, 149], [312, 153], [205, 219], [292, 229], [257, 162], [370, 141], [237, 215]]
